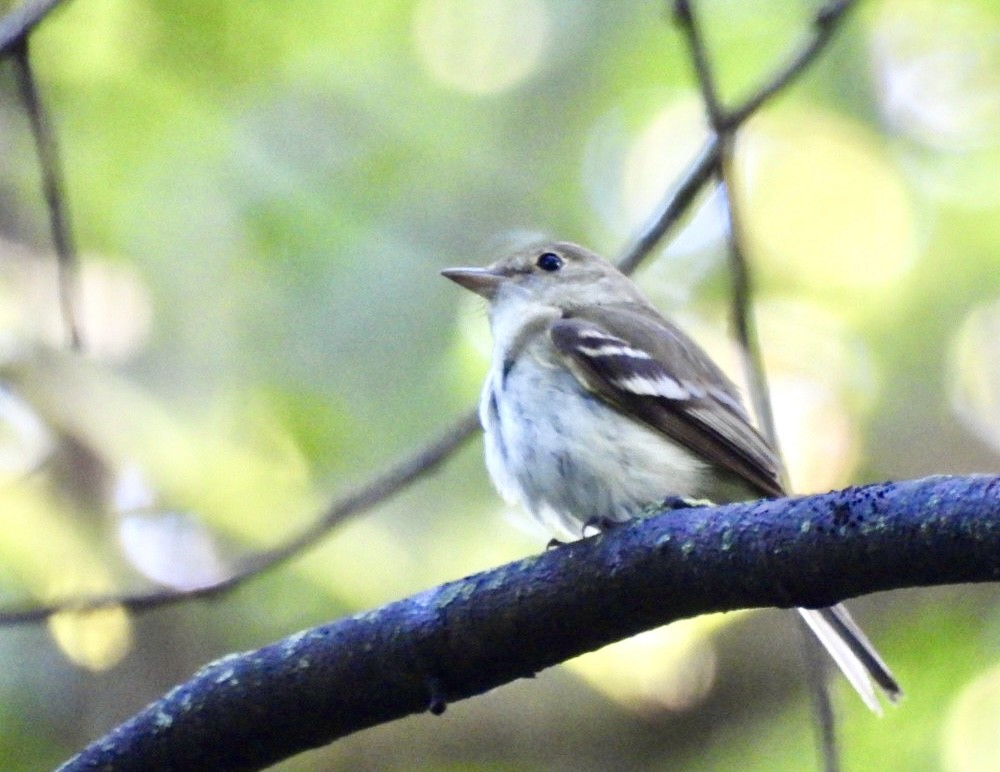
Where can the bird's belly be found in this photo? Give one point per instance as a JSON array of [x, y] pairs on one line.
[[569, 457]]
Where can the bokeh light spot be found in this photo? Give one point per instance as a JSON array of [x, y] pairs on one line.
[[480, 47], [974, 373], [96, 640], [658, 156], [672, 667], [822, 380], [970, 730], [823, 204], [937, 70], [818, 438]]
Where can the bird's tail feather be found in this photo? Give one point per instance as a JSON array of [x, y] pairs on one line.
[[853, 653]]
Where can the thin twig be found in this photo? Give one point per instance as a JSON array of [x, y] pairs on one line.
[[21, 21], [826, 23], [724, 125], [67, 263], [375, 492], [695, 177], [817, 667], [685, 18], [707, 161], [742, 318]]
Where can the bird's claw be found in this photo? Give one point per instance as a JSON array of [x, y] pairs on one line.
[[683, 502]]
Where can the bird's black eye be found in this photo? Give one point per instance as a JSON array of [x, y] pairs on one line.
[[549, 261]]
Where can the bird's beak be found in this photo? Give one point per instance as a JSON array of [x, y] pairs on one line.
[[482, 281]]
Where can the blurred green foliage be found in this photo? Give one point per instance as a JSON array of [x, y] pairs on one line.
[[264, 193]]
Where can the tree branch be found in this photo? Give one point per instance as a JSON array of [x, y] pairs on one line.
[[67, 262], [828, 19], [375, 492], [724, 125], [717, 157], [21, 22], [741, 306], [677, 201], [722, 121], [466, 637], [685, 18]]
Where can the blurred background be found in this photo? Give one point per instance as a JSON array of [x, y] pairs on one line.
[[263, 195]]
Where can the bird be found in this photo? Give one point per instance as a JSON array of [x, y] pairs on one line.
[[596, 406]]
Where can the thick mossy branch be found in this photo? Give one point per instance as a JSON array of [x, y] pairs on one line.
[[465, 637]]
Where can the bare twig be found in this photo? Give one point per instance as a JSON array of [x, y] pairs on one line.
[[724, 125], [52, 185], [717, 156], [825, 24], [817, 669], [375, 492], [21, 21], [676, 203], [741, 284], [707, 161], [685, 19]]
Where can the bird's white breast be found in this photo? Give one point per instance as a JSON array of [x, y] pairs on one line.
[[565, 454]]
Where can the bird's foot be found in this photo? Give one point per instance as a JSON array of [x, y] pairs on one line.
[[684, 502]]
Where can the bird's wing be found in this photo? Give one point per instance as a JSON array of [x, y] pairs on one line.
[[649, 369]]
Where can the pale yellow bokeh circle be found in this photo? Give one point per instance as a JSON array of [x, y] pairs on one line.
[[96, 640], [972, 727], [480, 46], [671, 667], [823, 206], [974, 373], [658, 156], [936, 68], [821, 382]]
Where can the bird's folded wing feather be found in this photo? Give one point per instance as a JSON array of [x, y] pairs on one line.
[[646, 367]]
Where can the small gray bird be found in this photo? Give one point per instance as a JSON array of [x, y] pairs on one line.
[[596, 406]]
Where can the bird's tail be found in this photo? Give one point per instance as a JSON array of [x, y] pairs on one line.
[[853, 653]]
